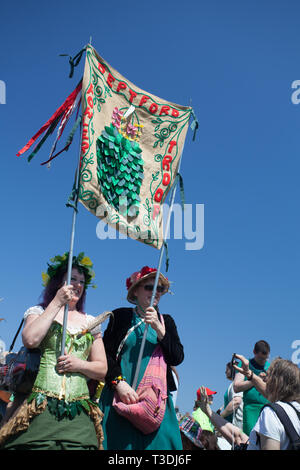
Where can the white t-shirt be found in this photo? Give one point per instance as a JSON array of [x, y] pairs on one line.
[[237, 419], [269, 425]]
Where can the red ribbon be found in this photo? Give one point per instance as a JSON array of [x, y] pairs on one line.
[[59, 112]]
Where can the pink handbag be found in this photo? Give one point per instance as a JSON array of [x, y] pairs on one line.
[[148, 413]]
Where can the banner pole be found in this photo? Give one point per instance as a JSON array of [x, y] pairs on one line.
[[138, 366], [70, 259]]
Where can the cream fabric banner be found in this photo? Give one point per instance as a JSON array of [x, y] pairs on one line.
[[130, 149]]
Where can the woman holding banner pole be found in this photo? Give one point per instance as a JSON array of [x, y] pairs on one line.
[[58, 414], [122, 341]]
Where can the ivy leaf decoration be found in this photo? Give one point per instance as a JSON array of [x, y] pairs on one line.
[[120, 169], [40, 397]]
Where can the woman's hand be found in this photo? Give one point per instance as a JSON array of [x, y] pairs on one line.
[[64, 295], [151, 318], [68, 363], [126, 393]]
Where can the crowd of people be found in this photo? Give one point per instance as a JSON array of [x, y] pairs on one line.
[[116, 390], [261, 408]]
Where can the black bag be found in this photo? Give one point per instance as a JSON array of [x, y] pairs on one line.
[[287, 424], [19, 372]]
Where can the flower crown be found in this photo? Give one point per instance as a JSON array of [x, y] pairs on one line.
[[81, 261]]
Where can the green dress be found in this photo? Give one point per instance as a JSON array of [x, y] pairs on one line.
[[253, 400], [60, 414], [119, 433]]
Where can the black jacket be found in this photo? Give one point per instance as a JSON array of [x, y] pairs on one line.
[[116, 330]]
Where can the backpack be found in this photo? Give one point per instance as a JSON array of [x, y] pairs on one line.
[[19, 372], [293, 436]]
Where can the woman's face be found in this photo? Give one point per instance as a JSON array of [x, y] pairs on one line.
[[77, 281], [144, 293]]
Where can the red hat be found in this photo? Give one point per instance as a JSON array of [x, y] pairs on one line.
[[208, 391], [139, 276]]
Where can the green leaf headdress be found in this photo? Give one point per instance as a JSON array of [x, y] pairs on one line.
[[82, 262]]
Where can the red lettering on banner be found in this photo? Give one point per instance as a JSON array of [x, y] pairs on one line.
[[110, 79], [132, 95], [164, 110], [175, 112], [121, 86], [153, 108], [166, 162], [172, 143], [88, 113], [84, 146], [144, 99], [158, 195], [156, 210], [101, 67], [90, 90], [166, 179]]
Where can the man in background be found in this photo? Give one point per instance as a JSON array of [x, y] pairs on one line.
[[253, 400]]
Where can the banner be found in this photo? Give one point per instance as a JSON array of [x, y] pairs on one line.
[[131, 145]]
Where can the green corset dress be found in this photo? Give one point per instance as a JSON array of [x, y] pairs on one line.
[[69, 387], [66, 421]]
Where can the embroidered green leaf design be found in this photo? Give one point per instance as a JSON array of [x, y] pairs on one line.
[[40, 397], [120, 170], [85, 405]]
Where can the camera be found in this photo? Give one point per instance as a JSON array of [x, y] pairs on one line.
[[235, 362]]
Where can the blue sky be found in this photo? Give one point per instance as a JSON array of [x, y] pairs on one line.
[[236, 61]]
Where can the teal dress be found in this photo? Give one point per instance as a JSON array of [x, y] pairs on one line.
[[119, 433]]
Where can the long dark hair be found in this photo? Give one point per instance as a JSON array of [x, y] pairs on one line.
[[55, 283]]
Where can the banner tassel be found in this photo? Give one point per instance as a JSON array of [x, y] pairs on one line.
[[181, 186], [50, 125], [195, 124], [74, 61]]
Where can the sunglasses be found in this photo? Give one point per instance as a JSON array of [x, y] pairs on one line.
[[150, 287]]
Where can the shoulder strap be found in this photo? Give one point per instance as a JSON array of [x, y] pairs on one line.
[[131, 330], [297, 412], [286, 422], [126, 336], [16, 335]]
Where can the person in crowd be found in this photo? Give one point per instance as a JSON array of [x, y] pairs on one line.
[[190, 432], [209, 440], [124, 335], [282, 386], [58, 414], [233, 402], [253, 400], [176, 380], [194, 437], [198, 414]]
